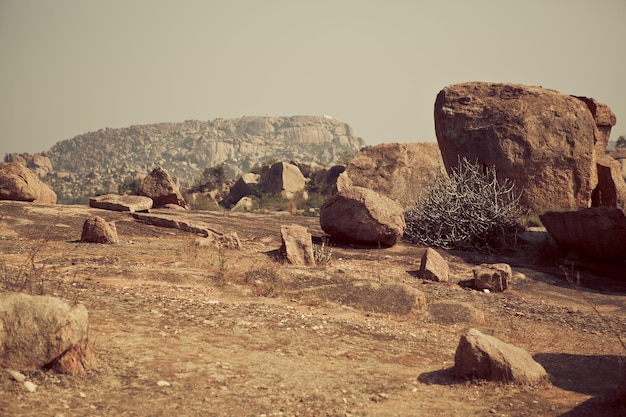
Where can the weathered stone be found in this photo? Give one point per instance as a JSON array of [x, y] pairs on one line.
[[480, 356], [433, 267], [116, 202], [37, 330], [541, 139], [492, 277], [212, 238], [399, 171], [98, 230], [605, 119], [244, 186], [620, 156], [282, 178], [596, 232], [297, 245], [21, 184], [160, 187], [244, 204], [360, 215], [611, 189], [455, 312]]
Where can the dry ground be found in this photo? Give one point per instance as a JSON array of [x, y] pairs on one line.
[[239, 333]]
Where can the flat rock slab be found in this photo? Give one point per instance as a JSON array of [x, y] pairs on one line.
[[115, 202]]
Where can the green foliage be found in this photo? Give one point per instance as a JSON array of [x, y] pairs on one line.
[[468, 210], [129, 186], [620, 142]]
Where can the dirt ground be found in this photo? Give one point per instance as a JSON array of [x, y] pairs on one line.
[[182, 329]]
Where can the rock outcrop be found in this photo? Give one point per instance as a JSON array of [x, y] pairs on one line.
[[611, 189], [39, 163], [361, 215], [100, 161], [596, 232], [480, 356], [543, 140], [398, 170], [38, 331], [116, 202], [21, 184], [160, 187]]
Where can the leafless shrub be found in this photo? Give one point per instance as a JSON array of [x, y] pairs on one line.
[[469, 210]]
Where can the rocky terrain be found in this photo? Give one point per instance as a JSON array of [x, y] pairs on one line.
[[184, 329], [97, 162]]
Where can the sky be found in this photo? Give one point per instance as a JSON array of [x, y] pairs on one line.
[[69, 67]]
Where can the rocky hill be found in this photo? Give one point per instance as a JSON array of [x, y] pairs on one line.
[[96, 162]]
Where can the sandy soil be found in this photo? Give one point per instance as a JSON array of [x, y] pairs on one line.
[[186, 330]]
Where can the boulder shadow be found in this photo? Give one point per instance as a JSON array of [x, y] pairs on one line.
[[596, 375], [445, 377]]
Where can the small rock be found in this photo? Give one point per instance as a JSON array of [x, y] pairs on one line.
[[30, 387], [18, 376], [163, 383]]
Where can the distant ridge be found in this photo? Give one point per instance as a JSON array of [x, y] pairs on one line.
[[96, 162]]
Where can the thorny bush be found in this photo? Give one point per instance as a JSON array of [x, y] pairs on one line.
[[468, 210]]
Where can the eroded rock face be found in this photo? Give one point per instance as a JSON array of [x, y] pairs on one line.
[[160, 187], [482, 356], [98, 230], [596, 232], [541, 139], [39, 330], [398, 170], [115, 202], [611, 189], [361, 215], [21, 184]]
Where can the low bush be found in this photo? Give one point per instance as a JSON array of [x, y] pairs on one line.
[[469, 210]]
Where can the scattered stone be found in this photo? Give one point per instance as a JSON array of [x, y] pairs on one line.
[[482, 356], [399, 171], [541, 139], [455, 312], [492, 277], [596, 232], [98, 230], [297, 245], [433, 267], [244, 204], [115, 202], [163, 383], [18, 376], [160, 187], [19, 183], [30, 387], [359, 215], [37, 330]]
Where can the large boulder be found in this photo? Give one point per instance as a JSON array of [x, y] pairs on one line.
[[244, 187], [38, 331], [481, 356], [596, 232], [159, 186], [21, 184], [398, 170], [543, 140], [361, 215], [282, 178]]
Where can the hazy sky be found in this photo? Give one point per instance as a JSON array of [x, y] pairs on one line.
[[72, 66]]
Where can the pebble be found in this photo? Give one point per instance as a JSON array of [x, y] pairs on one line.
[[18, 376], [30, 386], [163, 383]]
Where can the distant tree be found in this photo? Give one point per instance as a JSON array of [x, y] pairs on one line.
[[620, 142], [129, 186]]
